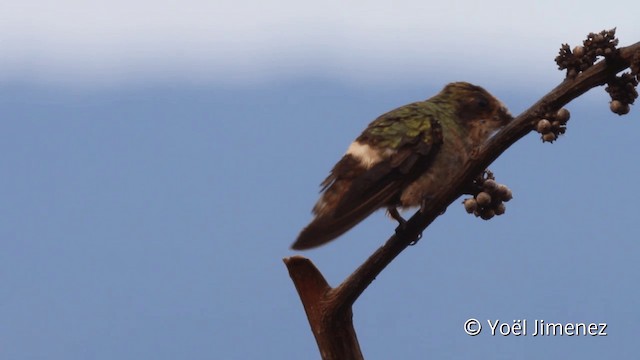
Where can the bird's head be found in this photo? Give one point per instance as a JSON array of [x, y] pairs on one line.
[[477, 112]]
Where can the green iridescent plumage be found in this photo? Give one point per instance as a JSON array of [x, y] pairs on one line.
[[403, 158], [403, 125]]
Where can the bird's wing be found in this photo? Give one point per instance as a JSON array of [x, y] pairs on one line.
[[352, 192]]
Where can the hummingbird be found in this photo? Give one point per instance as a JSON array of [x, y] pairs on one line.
[[404, 158]]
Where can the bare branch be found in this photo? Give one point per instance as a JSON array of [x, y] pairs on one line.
[[329, 309], [332, 329]]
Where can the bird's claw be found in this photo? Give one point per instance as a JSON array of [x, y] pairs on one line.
[[393, 212], [402, 224]]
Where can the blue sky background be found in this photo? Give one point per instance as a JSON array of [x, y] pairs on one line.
[[158, 159]]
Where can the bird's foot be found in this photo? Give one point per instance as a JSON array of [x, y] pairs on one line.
[[402, 223]]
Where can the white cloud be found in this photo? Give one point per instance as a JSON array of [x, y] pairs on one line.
[[254, 40]]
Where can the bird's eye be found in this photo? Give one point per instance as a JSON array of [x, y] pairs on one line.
[[482, 103], [475, 105]]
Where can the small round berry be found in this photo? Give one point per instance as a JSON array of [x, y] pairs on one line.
[[549, 137], [487, 214], [619, 107], [500, 209], [490, 185], [470, 205], [544, 126], [483, 199], [578, 51], [563, 115], [504, 193]]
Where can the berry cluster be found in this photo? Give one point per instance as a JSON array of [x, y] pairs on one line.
[[582, 57], [554, 125], [489, 197], [622, 90]]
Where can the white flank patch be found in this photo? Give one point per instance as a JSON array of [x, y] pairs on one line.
[[367, 155]]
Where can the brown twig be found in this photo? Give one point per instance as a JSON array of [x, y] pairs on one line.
[[329, 309]]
